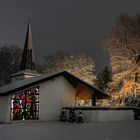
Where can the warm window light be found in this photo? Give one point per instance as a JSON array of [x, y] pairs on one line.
[[83, 102]]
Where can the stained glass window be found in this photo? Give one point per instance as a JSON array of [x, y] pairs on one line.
[[25, 104]]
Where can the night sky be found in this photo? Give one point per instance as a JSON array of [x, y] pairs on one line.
[[72, 25]]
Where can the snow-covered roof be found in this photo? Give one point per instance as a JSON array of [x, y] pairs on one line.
[[21, 84], [27, 71]]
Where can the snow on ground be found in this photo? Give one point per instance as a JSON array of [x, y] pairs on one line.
[[122, 130]]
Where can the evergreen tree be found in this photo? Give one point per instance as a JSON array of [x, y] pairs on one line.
[[72, 115], [80, 118], [63, 115], [103, 78]]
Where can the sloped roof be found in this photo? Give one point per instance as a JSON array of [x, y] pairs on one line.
[[20, 84]]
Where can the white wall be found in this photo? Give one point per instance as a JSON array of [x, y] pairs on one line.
[[54, 94], [5, 108], [68, 94], [107, 115], [51, 98]]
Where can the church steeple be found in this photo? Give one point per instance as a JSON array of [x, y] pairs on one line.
[[28, 61], [27, 68]]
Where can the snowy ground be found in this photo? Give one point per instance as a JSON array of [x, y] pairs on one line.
[[122, 130]]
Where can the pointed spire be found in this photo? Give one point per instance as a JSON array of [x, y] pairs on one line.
[[28, 61]]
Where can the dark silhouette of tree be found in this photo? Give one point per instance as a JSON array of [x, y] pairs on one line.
[[10, 57], [103, 78]]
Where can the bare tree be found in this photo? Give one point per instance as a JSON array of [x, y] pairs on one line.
[[10, 57], [80, 65], [124, 43]]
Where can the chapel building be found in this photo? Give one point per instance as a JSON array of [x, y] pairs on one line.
[[33, 96]]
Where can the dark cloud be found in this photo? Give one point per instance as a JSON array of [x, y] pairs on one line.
[[72, 25]]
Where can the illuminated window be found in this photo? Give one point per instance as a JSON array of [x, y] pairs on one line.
[[25, 104], [83, 96], [83, 102]]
